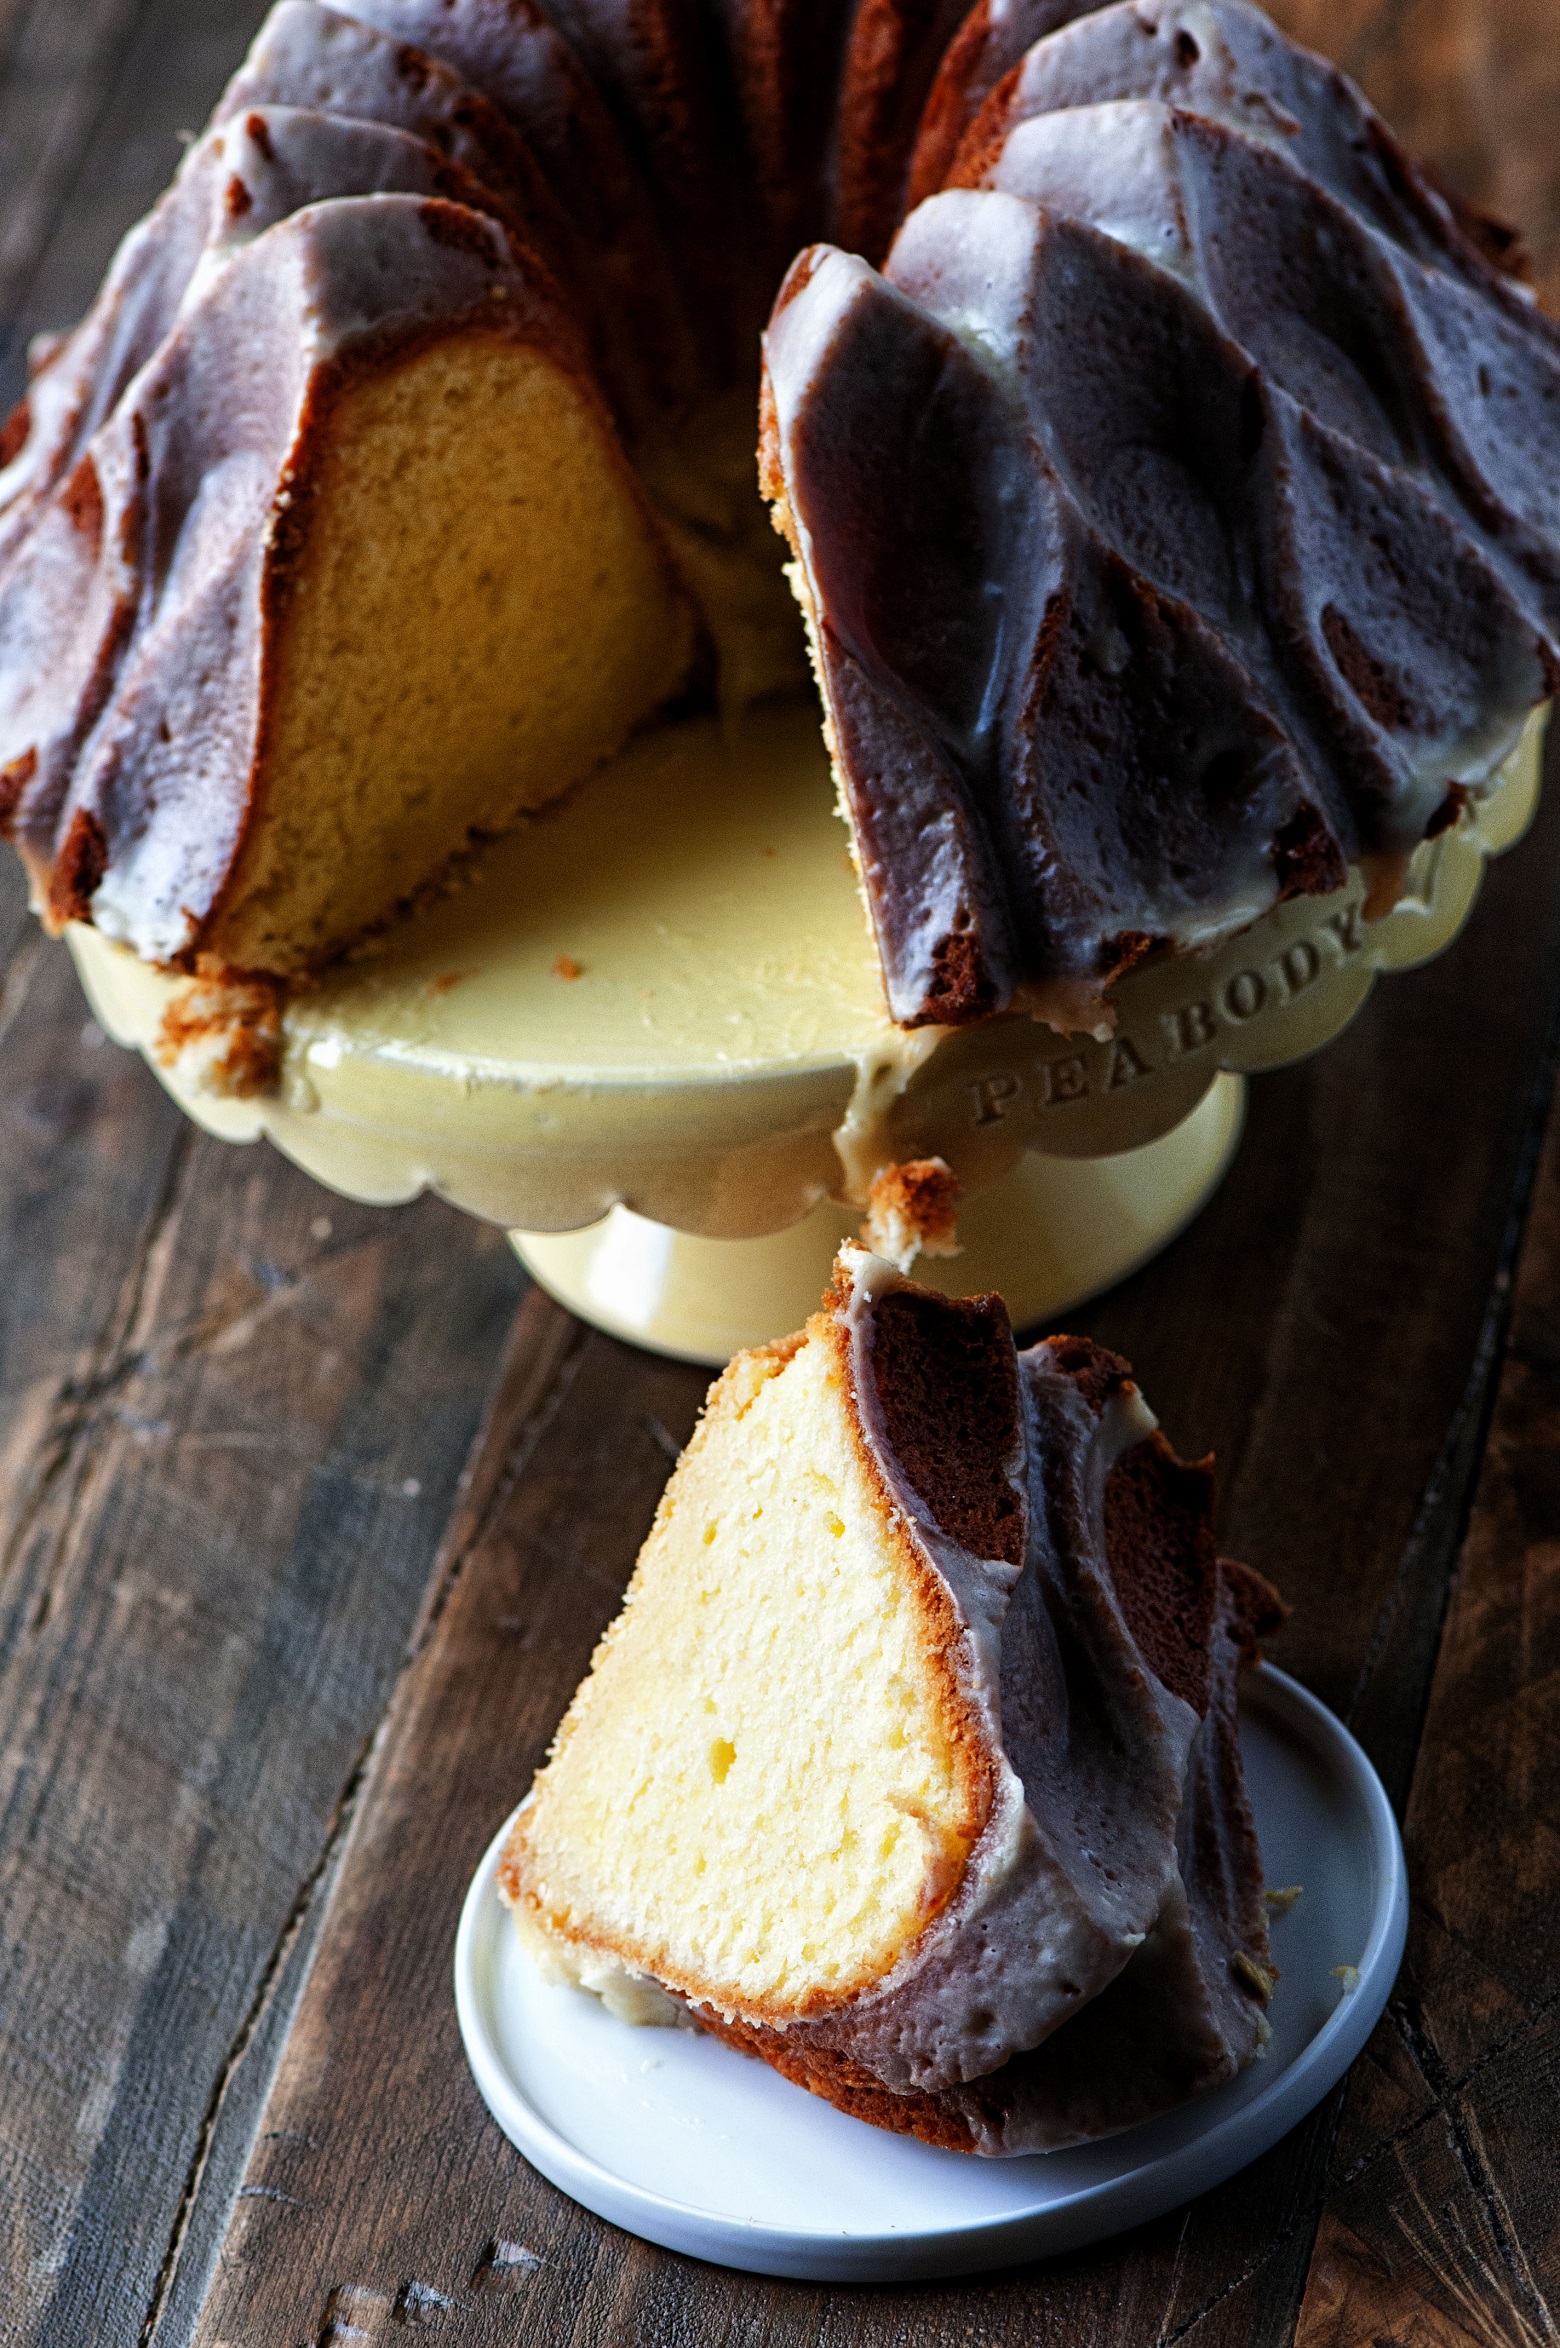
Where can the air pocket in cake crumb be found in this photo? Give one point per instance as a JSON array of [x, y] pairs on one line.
[[722, 1755]]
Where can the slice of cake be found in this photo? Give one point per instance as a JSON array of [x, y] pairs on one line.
[[910, 1764]]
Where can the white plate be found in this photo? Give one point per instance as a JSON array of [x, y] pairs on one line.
[[689, 2144]]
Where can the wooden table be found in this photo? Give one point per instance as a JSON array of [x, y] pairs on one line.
[[309, 1517]]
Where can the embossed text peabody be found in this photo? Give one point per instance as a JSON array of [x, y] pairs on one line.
[[1177, 1033]]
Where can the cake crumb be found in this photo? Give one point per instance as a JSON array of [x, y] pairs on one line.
[[911, 1212], [1349, 1975], [445, 980], [222, 1033], [1280, 1901], [1255, 1976], [567, 967]]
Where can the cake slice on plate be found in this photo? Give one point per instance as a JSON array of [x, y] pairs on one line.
[[910, 1764]]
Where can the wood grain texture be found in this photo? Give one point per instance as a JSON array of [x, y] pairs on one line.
[[232, 1415], [1440, 2225], [1321, 1323]]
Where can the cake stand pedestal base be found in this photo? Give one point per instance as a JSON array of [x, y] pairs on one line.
[[1054, 1231]]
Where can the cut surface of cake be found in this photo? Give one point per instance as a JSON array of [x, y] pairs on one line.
[[910, 1764], [1168, 466], [253, 731]]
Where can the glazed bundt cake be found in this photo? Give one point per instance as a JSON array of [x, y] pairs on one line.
[[1170, 472], [1235, 459], [910, 1764]]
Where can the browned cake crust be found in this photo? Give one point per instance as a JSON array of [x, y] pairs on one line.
[[912, 1208], [623, 266], [891, 61], [849, 2086], [988, 45]]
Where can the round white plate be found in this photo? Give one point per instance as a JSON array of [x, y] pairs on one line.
[[689, 2144]]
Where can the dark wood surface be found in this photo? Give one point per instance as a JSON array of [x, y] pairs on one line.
[[306, 1533]]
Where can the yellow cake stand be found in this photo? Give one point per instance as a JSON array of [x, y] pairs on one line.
[[647, 1036]]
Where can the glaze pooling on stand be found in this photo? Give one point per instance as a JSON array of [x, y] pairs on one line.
[[865, 1139]]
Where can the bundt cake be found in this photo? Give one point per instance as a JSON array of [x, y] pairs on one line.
[[1171, 472], [910, 1764]]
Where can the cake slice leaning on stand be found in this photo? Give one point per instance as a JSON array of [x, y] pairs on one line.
[[910, 1764]]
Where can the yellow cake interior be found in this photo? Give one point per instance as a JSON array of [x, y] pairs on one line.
[[434, 679], [761, 1793]]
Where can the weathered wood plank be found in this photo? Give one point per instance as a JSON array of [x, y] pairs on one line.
[[228, 1499], [1441, 2223], [1360, 1215]]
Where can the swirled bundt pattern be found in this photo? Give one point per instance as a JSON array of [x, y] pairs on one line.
[[1246, 570], [1172, 469]]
